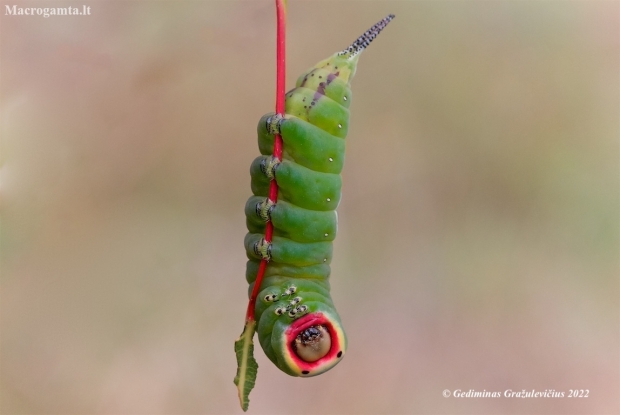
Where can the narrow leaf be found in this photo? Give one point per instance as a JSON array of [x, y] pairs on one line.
[[247, 368]]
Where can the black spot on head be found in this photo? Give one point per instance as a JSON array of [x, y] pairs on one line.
[[320, 77], [312, 74], [340, 353], [305, 372]]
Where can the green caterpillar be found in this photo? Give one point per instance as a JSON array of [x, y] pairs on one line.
[[298, 326]]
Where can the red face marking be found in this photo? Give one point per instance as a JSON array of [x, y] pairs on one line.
[[301, 324]]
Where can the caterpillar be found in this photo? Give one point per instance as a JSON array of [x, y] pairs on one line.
[[299, 328]]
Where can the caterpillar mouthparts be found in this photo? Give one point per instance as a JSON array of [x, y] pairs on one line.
[[313, 343]]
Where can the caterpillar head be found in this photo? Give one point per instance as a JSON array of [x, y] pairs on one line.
[[310, 345]]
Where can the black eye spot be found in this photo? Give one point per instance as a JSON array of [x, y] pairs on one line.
[[305, 372], [340, 353]]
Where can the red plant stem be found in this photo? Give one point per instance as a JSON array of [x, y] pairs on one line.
[[277, 147]]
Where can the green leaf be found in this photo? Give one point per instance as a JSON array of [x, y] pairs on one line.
[[247, 368]]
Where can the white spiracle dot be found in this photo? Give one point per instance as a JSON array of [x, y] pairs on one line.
[[324, 259], [328, 199], [339, 125], [331, 159], [325, 234], [345, 98]]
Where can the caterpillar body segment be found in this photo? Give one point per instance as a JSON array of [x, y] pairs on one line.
[[285, 251], [298, 326], [321, 191], [306, 144], [319, 271], [293, 222], [319, 110]]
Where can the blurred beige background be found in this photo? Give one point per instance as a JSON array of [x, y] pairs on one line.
[[478, 245]]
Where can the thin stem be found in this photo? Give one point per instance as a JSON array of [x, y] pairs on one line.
[[277, 147]]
